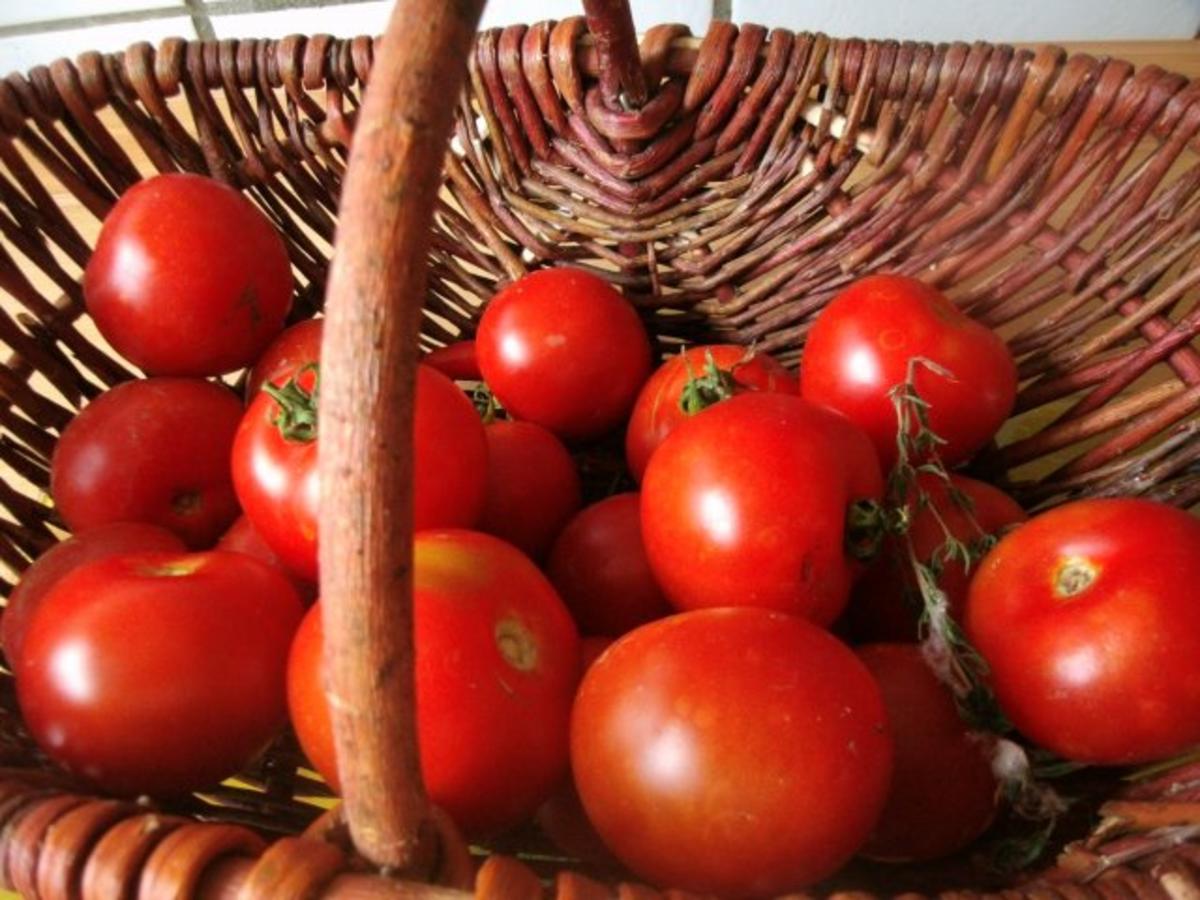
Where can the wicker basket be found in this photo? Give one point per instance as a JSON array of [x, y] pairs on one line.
[[730, 186]]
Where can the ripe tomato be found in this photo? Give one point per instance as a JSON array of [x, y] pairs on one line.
[[1088, 619], [860, 346], [159, 673], [188, 277], [275, 473], [746, 506], [885, 604], [657, 410], [739, 752], [294, 349], [156, 451], [600, 568], [497, 662], [943, 793], [532, 486], [563, 348], [46, 571], [457, 361], [242, 538]]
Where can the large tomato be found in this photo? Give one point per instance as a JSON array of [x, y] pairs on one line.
[[738, 752], [294, 349], [1087, 616], [159, 673], [746, 505], [562, 348], [659, 404], [275, 464], [242, 538], [497, 662], [154, 450], [188, 277], [860, 347], [943, 794]]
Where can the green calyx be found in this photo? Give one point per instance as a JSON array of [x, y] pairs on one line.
[[297, 415], [869, 523], [708, 389]]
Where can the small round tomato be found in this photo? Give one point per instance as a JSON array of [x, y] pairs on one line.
[[746, 505], [294, 349], [738, 752], [600, 568], [885, 604], [563, 348], [1087, 618], [44, 572], [532, 486], [497, 662], [943, 794], [242, 538], [155, 451], [457, 361], [702, 376], [188, 277], [860, 346], [159, 673]]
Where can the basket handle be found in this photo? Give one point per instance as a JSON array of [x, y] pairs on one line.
[[621, 73], [368, 368]]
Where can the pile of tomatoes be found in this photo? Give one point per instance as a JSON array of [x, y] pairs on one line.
[[717, 678]]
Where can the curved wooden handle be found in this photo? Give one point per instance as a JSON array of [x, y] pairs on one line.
[[368, 367], [621, 73]]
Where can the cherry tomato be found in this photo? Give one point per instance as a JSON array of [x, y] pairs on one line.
[[159, 673], [885, 604], [188, 277], [44, 572], [294, 349], [860, 347], [457, 361], [242, 538], [275, 466], [943, 794], [658, 410], [155, 451], [746, 505], [532, 486], [600, 568], [1088, 619], [563, 348], [497, 662], [738, 752]]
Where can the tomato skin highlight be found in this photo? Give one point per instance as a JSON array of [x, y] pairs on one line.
[[1087, 618], [737, 751]]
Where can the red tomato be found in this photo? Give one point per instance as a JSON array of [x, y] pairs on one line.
[[242, 538], [156, 451], [1088, 618], [600, 568], [497, 662], [859, 349], [188, 277], [532, 486], [738, 752], [457, 361], [943, 793], [746, 506], [563, 348], [159, 673], [46, 571], [657, 410], [298, 346], [276, 475], [885, 605]]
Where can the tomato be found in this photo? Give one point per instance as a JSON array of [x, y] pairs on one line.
[[497, 662], [746, 505], [294, 349], [1088, 618], [886, 604], [860, 346], [457, 361], [275, 473], [563, 348], [658, 410], [532, 486], [600, 568], [739, 752], [155, 451], [46, 571], [159, 673], [242, 538], [943, 794], [188, 277]]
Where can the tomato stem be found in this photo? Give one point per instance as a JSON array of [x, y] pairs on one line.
[[297, 416], [486, 404], [702, 391]]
